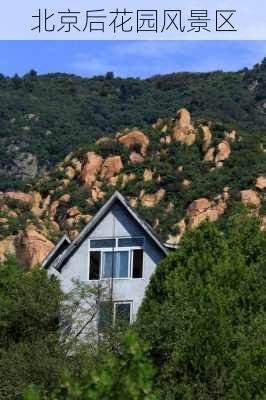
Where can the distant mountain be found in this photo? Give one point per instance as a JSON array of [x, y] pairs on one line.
[[43, 118]]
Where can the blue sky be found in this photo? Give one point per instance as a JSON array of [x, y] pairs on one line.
[[127, 58]]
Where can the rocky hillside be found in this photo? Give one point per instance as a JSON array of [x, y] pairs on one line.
[[40, 115], [176, 174]]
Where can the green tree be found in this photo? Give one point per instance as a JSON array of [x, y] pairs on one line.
[[116, 376], [29, 330], [204, 318]]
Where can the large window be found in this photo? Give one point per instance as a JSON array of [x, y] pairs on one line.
[[116, 258]]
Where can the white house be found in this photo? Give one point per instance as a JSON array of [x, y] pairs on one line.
[[117, 248]]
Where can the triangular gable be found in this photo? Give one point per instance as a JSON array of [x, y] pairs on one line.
[[60, 247], [98, 217]]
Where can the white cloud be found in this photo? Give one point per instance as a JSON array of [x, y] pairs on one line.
[[90, 65]]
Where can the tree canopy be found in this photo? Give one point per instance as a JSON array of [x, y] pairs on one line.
[[204, 315]]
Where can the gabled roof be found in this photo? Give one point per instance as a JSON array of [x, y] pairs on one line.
[[98, 217], [62, 245]]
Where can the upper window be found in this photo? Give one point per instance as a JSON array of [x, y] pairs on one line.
[[116, 258], [131, 242], [102, 243], [115, 264]]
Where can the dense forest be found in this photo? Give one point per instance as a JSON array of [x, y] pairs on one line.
[[43, 118]]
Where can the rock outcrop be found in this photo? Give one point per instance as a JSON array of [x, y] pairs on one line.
[[151, 200], [223, 153], [19, 196], [133, 138], [32, 248], [250, 198], [202, 209], [184, 131], [111, 166], [91, 167], [19, 164]]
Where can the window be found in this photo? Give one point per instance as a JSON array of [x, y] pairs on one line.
[[95, 265], [115, 264], [137, 263], [102, 243], [122, 313], [131, 242], [114, 313]]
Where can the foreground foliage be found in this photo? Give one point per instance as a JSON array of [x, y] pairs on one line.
[[202, 327], [29, 334], [204, 315], [123, 374]]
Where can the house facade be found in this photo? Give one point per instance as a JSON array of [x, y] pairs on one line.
[[117, 250]]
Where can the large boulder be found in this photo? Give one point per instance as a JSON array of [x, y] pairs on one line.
[[202, 209], [135, 137], [250, 198], [91, 167], [184, 131], [151, 200], [32, 248], [111, 166], [223, 152], [18, 196], [199, 205]]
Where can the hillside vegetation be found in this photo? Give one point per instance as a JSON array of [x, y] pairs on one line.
[[175, 174], [43, 118]]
